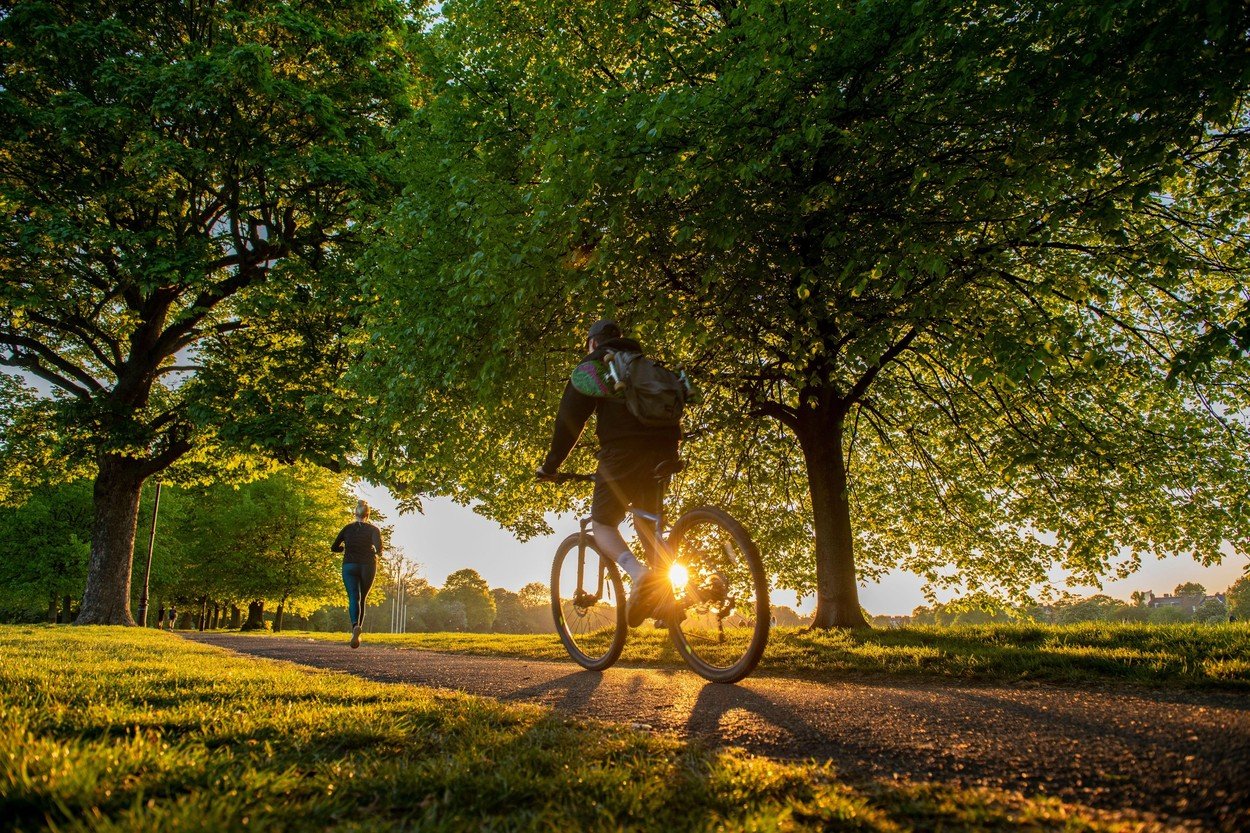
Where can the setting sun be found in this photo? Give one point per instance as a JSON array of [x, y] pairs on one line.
[[678, 576]]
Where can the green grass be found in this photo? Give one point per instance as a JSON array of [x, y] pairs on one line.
[[124, 729], [1192, 656]]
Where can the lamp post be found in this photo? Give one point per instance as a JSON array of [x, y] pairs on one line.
[[147, 572]]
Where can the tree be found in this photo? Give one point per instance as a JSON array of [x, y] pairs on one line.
[[300, 513], [535, 600], [1238, 597], [1097, 608], [509, 615], [1211, 611], [535, 595], [528, 611], [936, 263], [975, 609], [785, 617], [43, 549], [1168, 615], [31, 455], [268, 539], [467, 596], [168, 180], [423, 613], [1189, 588]]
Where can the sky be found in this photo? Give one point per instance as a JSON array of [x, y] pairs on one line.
[[449, 537]]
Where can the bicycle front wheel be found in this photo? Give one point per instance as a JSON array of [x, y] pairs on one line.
[[720, 619], [588, 603]]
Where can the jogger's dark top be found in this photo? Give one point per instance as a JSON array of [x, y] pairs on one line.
[[360, 542]]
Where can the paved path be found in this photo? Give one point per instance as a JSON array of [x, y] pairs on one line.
[[1182, 757]]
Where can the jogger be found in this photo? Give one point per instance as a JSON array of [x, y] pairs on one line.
[[361, 544]]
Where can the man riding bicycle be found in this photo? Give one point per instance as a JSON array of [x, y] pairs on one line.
[[629, 453]]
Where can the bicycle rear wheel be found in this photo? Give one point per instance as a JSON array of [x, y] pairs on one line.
[[588, 604], [720, 620]]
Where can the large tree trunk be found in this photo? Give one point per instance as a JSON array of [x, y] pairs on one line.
[[277, 615], [106, 600], [819, 433], [235, 617], [255, 616]]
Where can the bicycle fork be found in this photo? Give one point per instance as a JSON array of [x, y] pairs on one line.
[[580, 597]]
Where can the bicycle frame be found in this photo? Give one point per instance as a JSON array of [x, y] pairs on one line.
[[655, 519]]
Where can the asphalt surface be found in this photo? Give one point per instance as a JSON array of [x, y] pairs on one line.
[[1175, 757]]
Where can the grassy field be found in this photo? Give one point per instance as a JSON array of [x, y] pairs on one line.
[[123, 729], [1196, 656]]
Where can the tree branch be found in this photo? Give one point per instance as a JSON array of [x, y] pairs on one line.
[[87, 384], [861, 386], [85, 331], [786, 416]]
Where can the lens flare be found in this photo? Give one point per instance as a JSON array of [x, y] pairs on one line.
[[678, 576]]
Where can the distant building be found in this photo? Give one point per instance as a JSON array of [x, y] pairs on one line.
[[1187, 603]]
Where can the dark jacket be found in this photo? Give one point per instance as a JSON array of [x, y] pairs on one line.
[[359, 542], [615, 427]]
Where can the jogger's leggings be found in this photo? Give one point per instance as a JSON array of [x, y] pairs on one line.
[[357, 579]]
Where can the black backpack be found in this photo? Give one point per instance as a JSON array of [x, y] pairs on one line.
[[654, 394]]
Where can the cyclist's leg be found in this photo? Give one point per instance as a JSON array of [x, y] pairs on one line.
[[627, 477], [608, 507], [609, 537], [647, 494]]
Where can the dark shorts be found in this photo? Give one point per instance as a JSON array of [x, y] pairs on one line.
[[625, 477]]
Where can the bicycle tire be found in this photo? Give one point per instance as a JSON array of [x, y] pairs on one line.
[[594, 636], [692, 542]]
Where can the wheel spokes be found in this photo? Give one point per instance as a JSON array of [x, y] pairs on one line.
[[718, 602]]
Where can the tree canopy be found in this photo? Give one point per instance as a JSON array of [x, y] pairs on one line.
[[182, 192], [937, 264], [468, 590], [227, 544], [266, 540], [964, 282]]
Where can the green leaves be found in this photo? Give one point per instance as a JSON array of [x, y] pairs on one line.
[[182, 196], [265, 539], [974, 238], [155, 171], [45, 544]]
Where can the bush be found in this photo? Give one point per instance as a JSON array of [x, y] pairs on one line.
[[1211, 612], [1168, 616]]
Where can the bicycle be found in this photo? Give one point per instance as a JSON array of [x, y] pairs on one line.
[[716, 608]]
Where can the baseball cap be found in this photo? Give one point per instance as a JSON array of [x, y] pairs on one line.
[[604, 329]]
